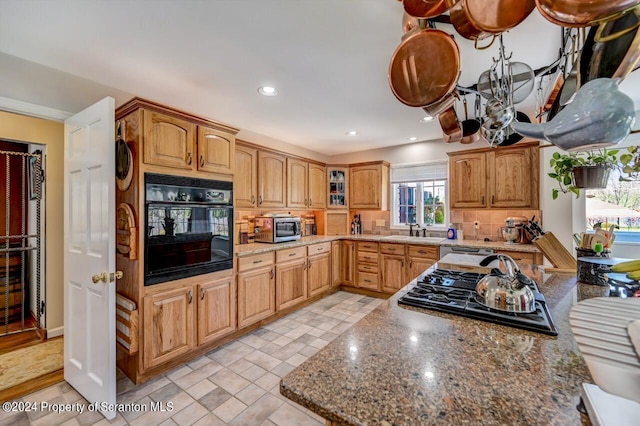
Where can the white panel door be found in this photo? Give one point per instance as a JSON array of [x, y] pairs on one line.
[[89, 249]]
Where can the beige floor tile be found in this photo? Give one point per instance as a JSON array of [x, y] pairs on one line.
[[198, 375], [201, 388], [257, 412], [253, 373], [287, 415], [143, 390], [240, 366], [296, 360], [176, 373], [190, 414], [253, 341], [283, 369], [283, 340], [70, 422], [250, 394], [180, 401], [168, 422], [319, 343], [209, 420], [198, 362], [117, 421], [229, 381], [268, 381], [263, 360], [228, 410]]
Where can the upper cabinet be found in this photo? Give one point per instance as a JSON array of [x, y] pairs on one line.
[[245, 179], [177, 142], [305, 184], [338, 184], [272, 170], [495, 178], [369, 186]]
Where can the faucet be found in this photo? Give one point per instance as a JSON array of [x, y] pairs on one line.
[[411, 225]]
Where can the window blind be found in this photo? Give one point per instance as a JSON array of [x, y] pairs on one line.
[[419, 172]]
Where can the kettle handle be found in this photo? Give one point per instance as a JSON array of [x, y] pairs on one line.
[[487, 260]]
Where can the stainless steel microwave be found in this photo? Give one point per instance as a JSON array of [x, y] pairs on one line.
[[277, 229]]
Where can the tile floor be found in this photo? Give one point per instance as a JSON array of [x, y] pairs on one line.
[[236, 384]]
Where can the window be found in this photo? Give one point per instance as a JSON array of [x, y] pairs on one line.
[[419, 194]]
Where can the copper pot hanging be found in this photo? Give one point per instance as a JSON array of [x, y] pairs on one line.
[[479, 19], [581, 13], [425, 8]]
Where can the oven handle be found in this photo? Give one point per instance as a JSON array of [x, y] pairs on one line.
[[187, 205]]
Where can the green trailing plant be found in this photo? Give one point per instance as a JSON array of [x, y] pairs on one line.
[[630, 164], [562, 166]]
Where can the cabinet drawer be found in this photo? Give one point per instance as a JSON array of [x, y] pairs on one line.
[[255, 261], [367, 280], [429, 252], [388, 248], [291, 254], [367, 257], [371, 268], [367, 246], [518, 256], [314, 249]]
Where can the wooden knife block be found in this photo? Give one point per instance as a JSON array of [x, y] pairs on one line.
[[555, 252]]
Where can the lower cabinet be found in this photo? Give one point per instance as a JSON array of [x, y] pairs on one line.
[[291, 277], [348, 263], [177, 320], [392, 267], [420, 258], [256, 288], [367, 269], [523, 258], [319, 268], [336, 263], [169, 322]]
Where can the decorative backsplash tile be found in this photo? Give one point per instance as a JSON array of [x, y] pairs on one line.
[[490, 221]]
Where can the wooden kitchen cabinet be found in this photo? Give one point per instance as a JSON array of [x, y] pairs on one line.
[[305, 184], [291, 277], [216, 309], [319, 268], [523, 258], [495, 178], [317, 186], [168, 141], [369, 186], [338, 187], [272, 170], [392, 267], [348, 263], [367, 265], [336, 263], [245, 178], [168, 326], [216, 151], [420, 258], [256, 288]]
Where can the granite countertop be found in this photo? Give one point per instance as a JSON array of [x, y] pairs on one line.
[[255, 248], [401, 365]]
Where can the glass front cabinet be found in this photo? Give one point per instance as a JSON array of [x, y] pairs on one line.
[[338, 181]]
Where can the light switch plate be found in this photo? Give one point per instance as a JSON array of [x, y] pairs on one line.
[[380, 222]]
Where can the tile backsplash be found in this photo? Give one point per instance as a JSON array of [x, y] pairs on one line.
[[490, 221]]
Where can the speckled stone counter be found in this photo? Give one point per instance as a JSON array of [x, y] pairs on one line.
[[407, 366], [255, 248]]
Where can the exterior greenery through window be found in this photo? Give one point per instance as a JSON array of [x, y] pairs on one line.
[[419, 194]]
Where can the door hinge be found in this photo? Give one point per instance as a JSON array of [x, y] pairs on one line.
[[42, 307]]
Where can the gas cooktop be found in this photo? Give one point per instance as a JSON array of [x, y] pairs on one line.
[[454, 292]]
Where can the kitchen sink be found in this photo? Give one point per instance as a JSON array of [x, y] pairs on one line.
[[414, 239]]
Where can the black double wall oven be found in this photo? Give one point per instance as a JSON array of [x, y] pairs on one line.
[[189, 227]]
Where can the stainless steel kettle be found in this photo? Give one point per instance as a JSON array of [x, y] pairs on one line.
[[510, 292]]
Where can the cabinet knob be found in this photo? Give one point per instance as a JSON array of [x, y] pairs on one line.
[[189, 158], [271, 274], [253, 200], [190, 296], [202, 161], [202, 294], [260, 200], [493, 199], [483, 200], [309, 202]]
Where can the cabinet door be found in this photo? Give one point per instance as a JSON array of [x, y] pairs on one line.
[[168, 141], [291, 283], [392, 275], [417, 266], [336, 263], [317, 186], [338, 184], [365, 187], [319, 274], [348, 250], [168, 326], [468, 180], [297, 173], [271, 179], [245, 178], [511, 182], [216, 309], [256, 295], [215, 151]]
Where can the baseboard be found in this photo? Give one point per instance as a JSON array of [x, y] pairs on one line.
[[55, 332]]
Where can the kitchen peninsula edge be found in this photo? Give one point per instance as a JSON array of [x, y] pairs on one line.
[[401, 365]]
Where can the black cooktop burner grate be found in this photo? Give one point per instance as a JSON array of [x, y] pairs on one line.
[[454, 292]]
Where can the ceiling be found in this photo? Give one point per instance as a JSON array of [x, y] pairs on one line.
[[328, 59]]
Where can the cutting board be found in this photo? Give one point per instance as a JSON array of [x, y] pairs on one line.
[[466, 262]]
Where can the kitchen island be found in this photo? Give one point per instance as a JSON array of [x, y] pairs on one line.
[[402, 365]]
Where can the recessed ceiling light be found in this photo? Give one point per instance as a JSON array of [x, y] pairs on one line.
[[267, 90], [413, 139], [352, 133], [426, 119]]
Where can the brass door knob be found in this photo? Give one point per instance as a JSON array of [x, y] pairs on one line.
[[115, 276], [97, 278]]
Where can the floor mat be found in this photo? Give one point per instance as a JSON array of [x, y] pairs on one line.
[[31, 362]]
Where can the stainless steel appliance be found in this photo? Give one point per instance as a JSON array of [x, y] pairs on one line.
[[444, 250], [454, 292], [277, 228], [189, 224]]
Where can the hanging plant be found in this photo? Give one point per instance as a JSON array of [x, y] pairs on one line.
[[600, 161]]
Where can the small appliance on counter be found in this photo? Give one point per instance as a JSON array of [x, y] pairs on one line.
[[277, 228], [514, 232]]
